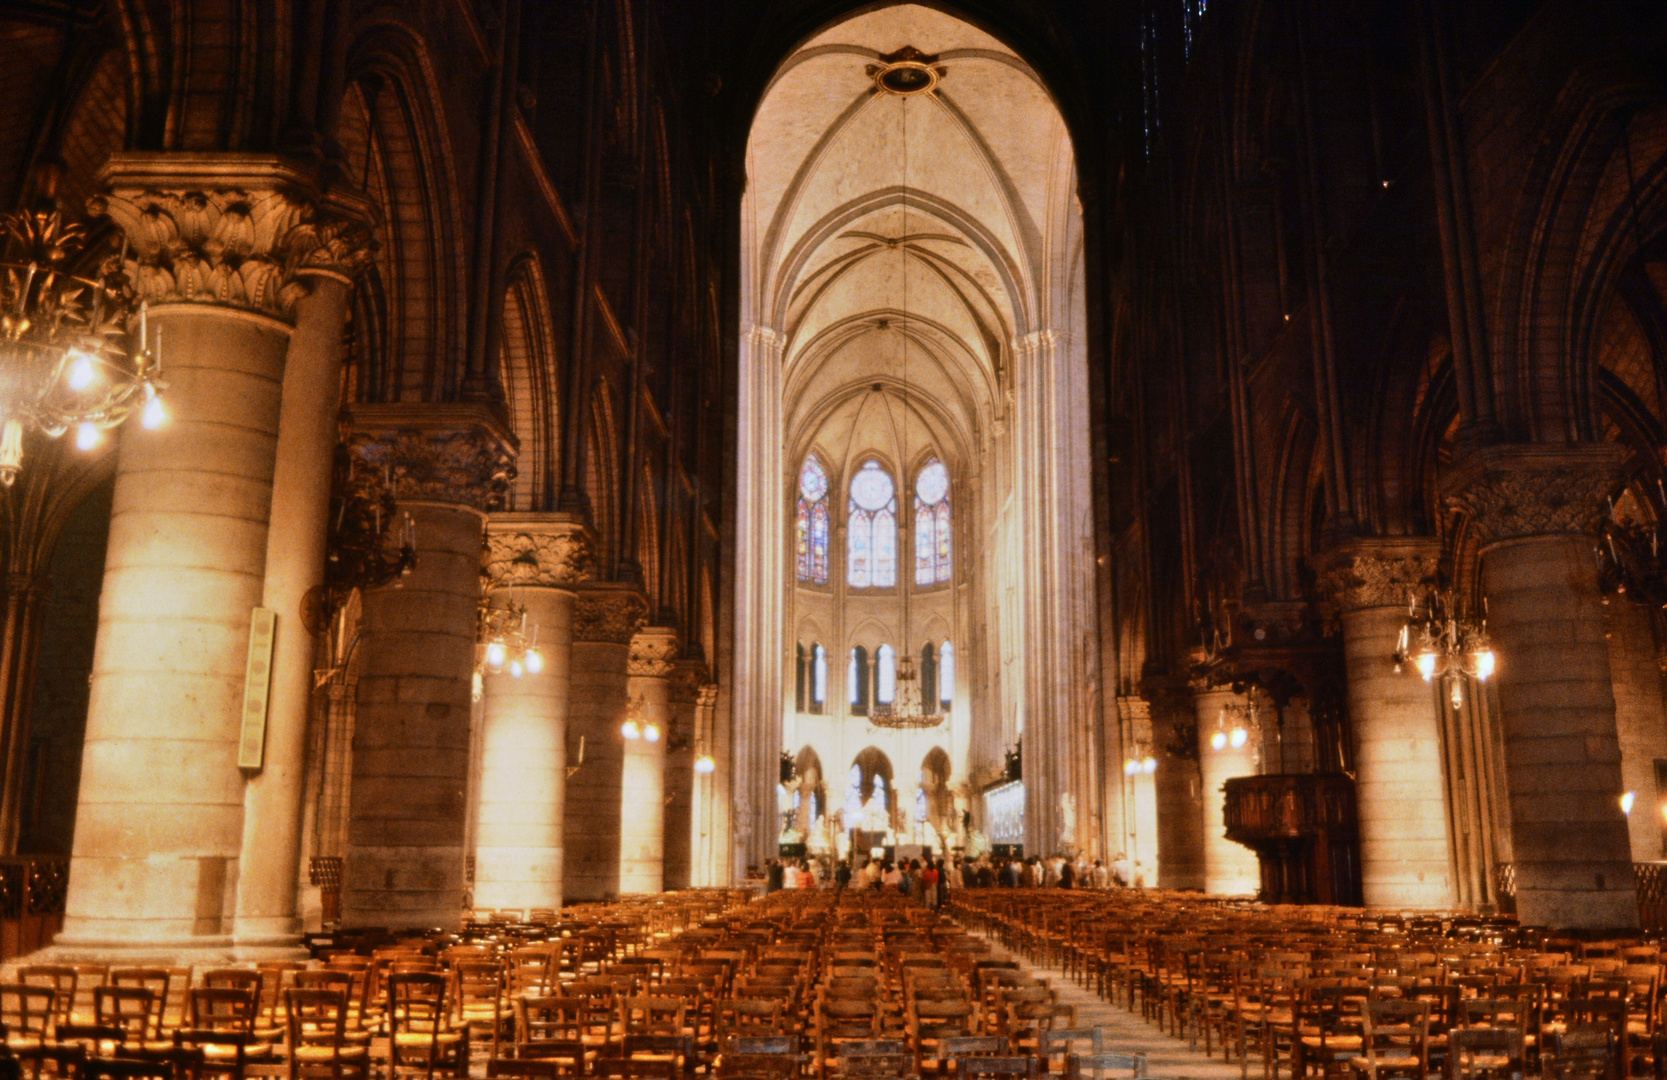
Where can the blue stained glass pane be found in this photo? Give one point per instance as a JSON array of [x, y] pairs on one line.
[[858, 533], [819, 543], [813, 482], [885, 549]]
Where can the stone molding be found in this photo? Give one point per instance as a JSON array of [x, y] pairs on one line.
[[556, 552], [1515, 491], [232, 230], [654, 652], [706, 696], [1363, 574], [440, 454], [610, 615]]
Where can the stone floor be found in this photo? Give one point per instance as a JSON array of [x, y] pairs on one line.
[[1167, 1057]]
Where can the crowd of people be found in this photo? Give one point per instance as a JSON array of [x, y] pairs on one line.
[[929, 879]]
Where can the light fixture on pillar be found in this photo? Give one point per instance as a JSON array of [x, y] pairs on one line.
[[704, 764], [1632, 561], [1236, 725], [69, 357], [1441, 644], [636, 724], [505, 643], [1140, 761]]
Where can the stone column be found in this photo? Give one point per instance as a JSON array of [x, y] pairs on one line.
[[1535, 509], [642, 809], [709, 854], [267, 922], [606, 616], [1176, 789], [535, 560], [160, 824], [1639, 723], [447, 465], [1230, 868], [683, 740], [1406, 848]]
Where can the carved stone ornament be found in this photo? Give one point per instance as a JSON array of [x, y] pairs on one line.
[[241, 232], [468, 467], [707, 696], [608, 615], [559, 554], [654, 651], [1511, 492], [688, 678], [1377, 573]]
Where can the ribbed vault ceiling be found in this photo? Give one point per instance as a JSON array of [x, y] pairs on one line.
[[894, 238]]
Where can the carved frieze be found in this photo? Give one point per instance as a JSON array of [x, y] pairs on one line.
[[1510, 492], [654, 652], [240, 232], [688, 680], [1377, 573], [557, 553], [608, 615], [468, 466]]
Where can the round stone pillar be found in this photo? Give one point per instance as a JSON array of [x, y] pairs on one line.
[[160, 823], [642, 811], [1406, 849], [404, 865], [606, 616], [1230, 868], [1639, 725], [1535, 509], [536, 561]]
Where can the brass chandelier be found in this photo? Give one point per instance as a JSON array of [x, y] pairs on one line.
[[1441, 644], [67, 359]]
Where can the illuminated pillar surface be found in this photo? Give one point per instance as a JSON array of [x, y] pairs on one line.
[[1406, 853], [406, 827], [1535, 510], [606, 617], [160, 822], [1230, 868], [1638, 721], [642, 810], [523, 778]]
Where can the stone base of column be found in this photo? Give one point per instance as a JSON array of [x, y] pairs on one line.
[[187, 952]]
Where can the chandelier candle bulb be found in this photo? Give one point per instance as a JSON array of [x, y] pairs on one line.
[[651, 732], [86, 435], [704, 764], [630, 730]]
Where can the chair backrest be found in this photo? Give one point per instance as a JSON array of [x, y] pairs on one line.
[[547, 1020], [1476, 1051], [27, 1011], [61, 978], [1076, 1065], [131, 1008], [1007, 1065], [1580, 1053], [221, 1008]]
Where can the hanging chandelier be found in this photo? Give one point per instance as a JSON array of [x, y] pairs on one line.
[[908, 707], [65, 348], [504, 643], [1441, 644]]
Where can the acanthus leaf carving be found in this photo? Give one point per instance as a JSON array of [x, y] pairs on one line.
[[654, 651], [1511, 492], [561, 555], [608, 615], [467, 467], [1377, 573]]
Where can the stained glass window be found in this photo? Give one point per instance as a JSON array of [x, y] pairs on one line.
[[887, 689], [871, 529], [932, 524], [810, 523]]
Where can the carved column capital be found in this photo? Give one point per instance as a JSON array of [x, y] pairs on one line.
[[688, 680], [435, 453], [604, 613], [232, 230], [707, 696], [552, 550], [654, 651], [1364, 574], [1516, 491]]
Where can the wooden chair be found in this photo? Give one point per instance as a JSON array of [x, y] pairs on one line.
[[875, 1059], [1098, 1064], [1581, 1053], [220, 1024], [1486, 1053], [1063, 1042], [28, 1014], [1020, 1065], [1395, 1040], [61, 979], [952, 1050], [421, 1039], [316, 1023]]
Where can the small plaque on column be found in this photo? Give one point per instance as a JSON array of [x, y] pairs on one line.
[[257, 680]]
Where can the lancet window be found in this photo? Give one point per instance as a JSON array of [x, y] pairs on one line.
[[810, 523], [871, 529], [932, 524]]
